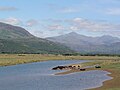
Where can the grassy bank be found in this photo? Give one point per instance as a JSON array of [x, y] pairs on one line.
[[13, 59]]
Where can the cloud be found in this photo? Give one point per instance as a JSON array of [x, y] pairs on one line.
[[113, 11], [36, 32], [55, 27], [8, 8], [81, 24], [16, 21], [11, 20], [84, 24], [32, 22]]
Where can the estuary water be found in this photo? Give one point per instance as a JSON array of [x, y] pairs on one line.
[[39, 76]]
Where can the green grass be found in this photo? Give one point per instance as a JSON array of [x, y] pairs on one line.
[[114, 89], [13, 59]]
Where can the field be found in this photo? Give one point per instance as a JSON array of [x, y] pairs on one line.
[[13, 59], [108, 63]]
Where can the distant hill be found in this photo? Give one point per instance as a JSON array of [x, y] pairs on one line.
[[93, 45], [14, 39], [13, 32]]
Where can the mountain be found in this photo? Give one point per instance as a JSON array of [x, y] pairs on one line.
[[14, 39], [11, 32], [84, 44]]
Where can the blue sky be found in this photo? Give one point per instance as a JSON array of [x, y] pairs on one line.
[[45, 18]]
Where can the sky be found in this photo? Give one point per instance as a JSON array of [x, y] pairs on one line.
[[47, 18]]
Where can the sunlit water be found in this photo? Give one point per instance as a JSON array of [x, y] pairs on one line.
[[39, 76]]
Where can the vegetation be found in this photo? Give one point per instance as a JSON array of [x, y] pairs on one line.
[[13, 59], [31, 46], [15, 40], [89, 54]]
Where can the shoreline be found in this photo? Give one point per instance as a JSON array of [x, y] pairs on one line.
[[110, 84], [104, 82], [103, 87]]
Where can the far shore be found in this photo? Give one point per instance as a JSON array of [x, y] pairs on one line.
[[14, 59], [108, 63]]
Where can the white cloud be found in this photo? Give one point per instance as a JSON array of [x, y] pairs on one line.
[[7, 8], [11, 20], [74, 28], [16, 21], [84, 24], [37, 32], [55, 27], [78, 19], [32, 22]]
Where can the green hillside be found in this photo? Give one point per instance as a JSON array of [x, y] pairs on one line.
[[17, 40]]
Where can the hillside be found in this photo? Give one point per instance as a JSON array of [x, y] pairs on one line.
[[13, 32], [84, 44], [15, 39]]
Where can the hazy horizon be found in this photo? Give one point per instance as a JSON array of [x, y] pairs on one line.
[[53, 18]]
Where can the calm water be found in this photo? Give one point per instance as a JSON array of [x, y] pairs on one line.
[[39, 76]]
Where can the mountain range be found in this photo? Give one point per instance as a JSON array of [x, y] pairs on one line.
[[14, 39], [105, 44]]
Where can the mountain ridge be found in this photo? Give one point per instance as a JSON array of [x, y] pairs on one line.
[[8, 31], [84, 44]]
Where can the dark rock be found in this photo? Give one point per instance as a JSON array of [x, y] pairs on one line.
[[59, 67], [82, 69], [97, 66]]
